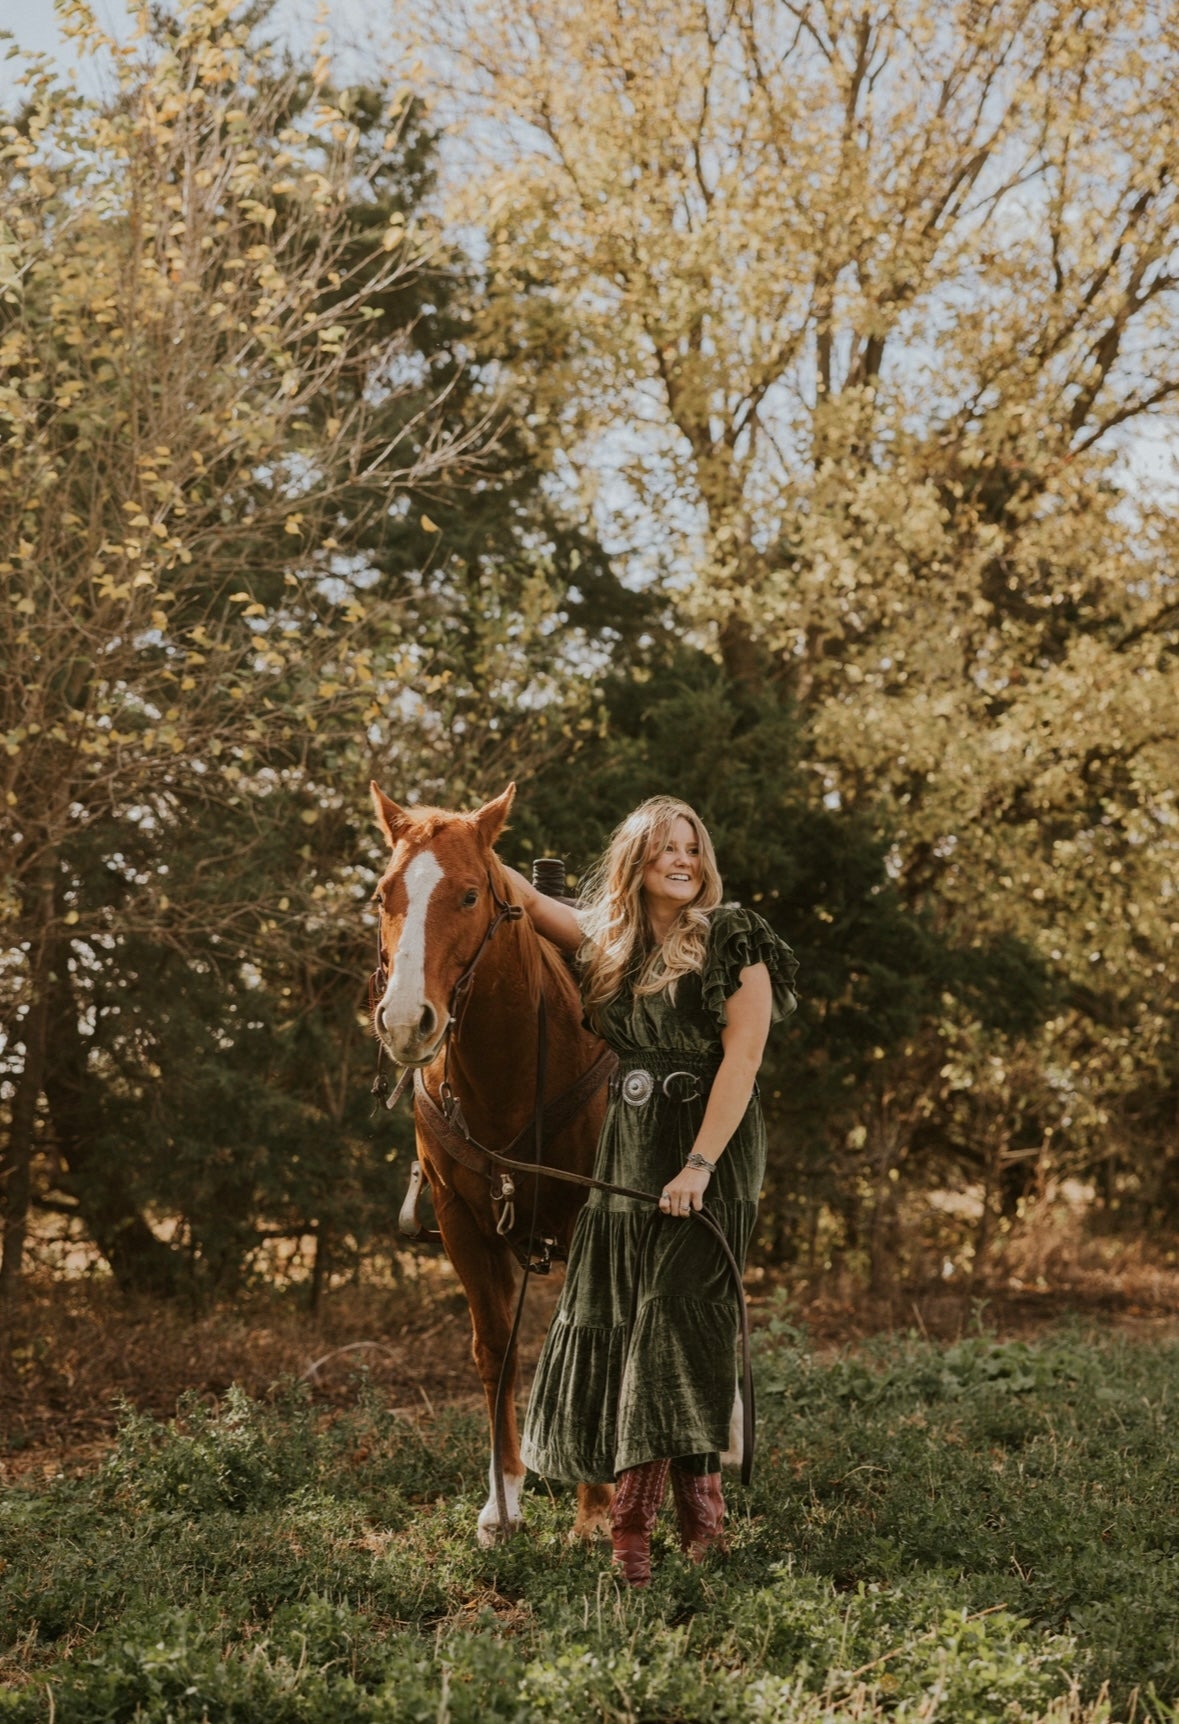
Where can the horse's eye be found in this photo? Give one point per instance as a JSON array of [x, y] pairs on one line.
[[471, 898]]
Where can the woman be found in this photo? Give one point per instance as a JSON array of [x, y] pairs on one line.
[[684, 988]]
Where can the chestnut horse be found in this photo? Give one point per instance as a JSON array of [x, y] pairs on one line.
[[444, 901]]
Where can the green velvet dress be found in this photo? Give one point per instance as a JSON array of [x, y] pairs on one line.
[[602, 1402]]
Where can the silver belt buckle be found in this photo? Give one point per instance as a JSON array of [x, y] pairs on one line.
[[692, 1095], [637, 1087]]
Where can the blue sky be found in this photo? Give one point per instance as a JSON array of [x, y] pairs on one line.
[[1148, 450], [34, 25]]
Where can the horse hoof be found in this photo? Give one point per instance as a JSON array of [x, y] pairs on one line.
[[592, 1520], [490, 1533], [587, 1528], [488, 1529]]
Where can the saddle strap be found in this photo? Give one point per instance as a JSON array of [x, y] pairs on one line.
[[470, 1152], [450, 1135]]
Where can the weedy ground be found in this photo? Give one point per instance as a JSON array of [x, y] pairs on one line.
[[985, 1530]]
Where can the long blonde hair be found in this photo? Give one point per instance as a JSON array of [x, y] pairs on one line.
[[613, 916]]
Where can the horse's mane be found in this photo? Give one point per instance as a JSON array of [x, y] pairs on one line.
[[540, 959]]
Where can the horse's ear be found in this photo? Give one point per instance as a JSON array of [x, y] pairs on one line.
[[391, 819], [492, 817]]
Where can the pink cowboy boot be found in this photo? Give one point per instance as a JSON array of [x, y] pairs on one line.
[[700, 1510], [638, 1494]]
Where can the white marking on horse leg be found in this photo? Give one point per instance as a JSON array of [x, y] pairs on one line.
[[735, 1453], [400, 1010], [488, 1530]]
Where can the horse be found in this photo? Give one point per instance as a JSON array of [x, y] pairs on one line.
[[461, 975]]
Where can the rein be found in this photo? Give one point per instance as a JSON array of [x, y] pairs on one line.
[[454, 1131], [543, 1170]]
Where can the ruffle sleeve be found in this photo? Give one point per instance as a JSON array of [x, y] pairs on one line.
[[738, 939]]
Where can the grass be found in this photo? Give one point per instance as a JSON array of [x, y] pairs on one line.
[[975, 1532]]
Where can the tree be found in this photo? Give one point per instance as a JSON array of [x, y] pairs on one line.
[[202, 364], [879, 289], [266, 533], [876, 978]]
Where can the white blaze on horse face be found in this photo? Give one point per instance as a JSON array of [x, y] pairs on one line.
[[404, 1000]]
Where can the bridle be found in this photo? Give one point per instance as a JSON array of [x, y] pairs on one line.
[[379, 981], [454, 1127]]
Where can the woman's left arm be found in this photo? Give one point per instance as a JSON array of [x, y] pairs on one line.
[[747, 1014]]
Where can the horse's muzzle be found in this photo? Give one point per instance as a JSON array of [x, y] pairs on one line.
[[417, 1044]]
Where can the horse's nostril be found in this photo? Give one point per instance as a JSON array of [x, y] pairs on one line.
[[427, 1021]]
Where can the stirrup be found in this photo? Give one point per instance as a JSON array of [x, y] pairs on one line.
[[408, 1222]]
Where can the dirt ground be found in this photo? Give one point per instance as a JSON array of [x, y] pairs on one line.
[[77, 1349]]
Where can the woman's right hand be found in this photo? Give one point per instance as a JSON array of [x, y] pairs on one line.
[[556, 921]]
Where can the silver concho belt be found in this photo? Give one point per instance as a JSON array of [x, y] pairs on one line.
[[638, 1086]]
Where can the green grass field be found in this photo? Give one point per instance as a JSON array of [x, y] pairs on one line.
[[975, 1532]]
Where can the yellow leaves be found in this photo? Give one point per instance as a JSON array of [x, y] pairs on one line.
[[429, 526], [293, 525], [309, 816]]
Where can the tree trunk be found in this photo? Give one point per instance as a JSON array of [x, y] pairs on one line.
[[982, 1233], [16, 1167], [139, 1261], [995, 1143], [881, 1243], [320, 1267], [743, 659]]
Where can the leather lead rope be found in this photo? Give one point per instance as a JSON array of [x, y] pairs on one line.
[[539, 1169], [505, 911], [542, 1169], [497, 1431]]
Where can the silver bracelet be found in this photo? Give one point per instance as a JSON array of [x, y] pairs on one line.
[[700, 1161]]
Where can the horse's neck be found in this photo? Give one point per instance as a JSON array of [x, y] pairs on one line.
[[494, 1052]]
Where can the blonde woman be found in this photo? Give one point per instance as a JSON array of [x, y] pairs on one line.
[[684, 988]]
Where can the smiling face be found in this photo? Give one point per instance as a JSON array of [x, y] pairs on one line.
[[672, 875]]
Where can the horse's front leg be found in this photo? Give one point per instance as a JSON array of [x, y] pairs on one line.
[[484, 1266]]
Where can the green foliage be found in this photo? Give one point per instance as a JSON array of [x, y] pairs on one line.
[[865, 392], [310, 585], [875, 974], [972, 1534]]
